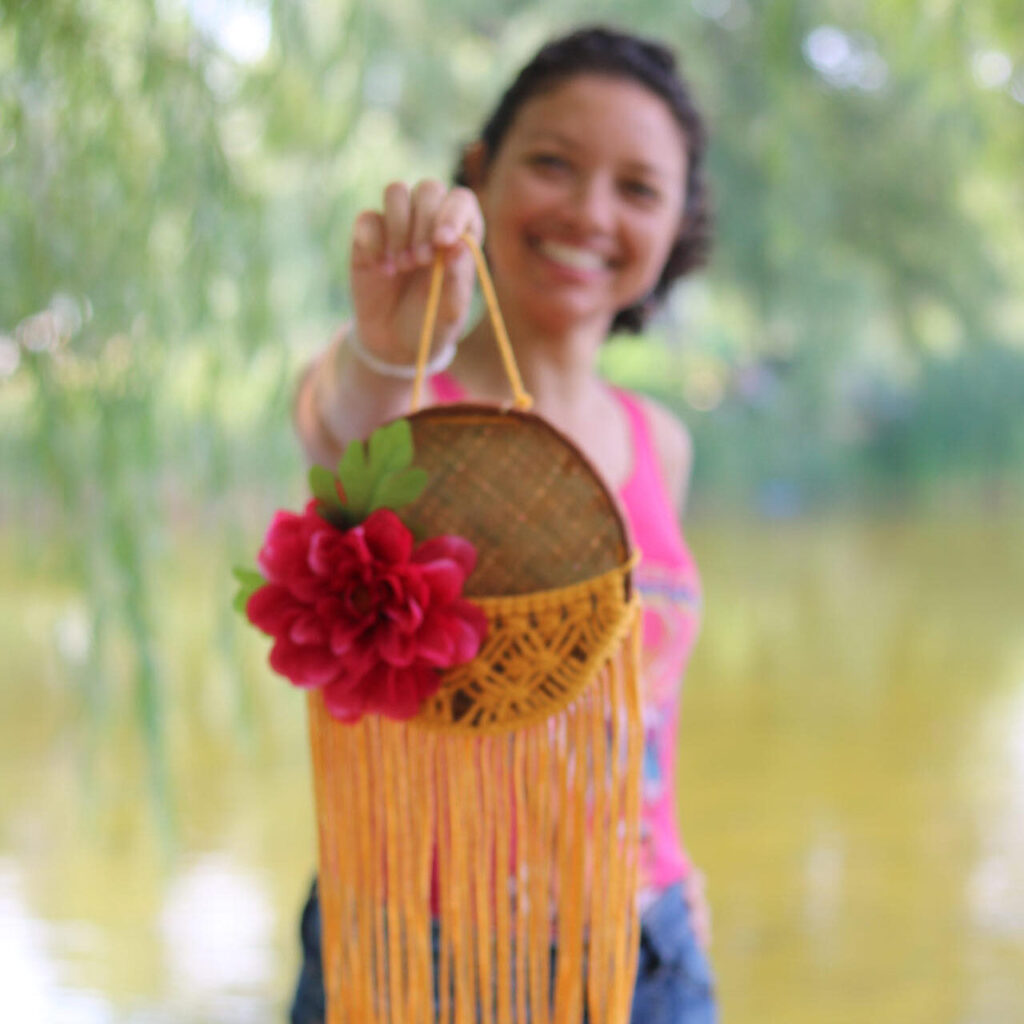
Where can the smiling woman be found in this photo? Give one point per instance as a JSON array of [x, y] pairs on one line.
[[581, 219], [589, 181]]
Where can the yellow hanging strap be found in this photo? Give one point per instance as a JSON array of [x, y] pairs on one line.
[[520, 398]]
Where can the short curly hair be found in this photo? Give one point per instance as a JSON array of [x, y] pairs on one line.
[[602, 50]]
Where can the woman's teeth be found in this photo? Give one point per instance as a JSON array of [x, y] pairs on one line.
[[572, 256]]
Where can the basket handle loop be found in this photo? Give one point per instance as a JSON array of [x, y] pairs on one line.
[[520, 398]]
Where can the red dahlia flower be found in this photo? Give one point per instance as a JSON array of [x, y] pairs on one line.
[[364, 614]]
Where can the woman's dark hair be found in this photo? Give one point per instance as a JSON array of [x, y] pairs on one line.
[[605, 51]]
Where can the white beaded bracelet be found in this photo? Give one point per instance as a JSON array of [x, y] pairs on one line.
[[399, 371]]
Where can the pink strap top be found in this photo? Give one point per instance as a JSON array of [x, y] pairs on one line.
[[670, 586]]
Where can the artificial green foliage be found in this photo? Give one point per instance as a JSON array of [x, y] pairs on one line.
[[249, 581], [372, 474], [376, 474], [323, 485]]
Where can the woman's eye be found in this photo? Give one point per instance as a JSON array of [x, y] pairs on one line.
[[640, 190], [549, 161]]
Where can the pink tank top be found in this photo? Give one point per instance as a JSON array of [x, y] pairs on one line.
[[670, 587]]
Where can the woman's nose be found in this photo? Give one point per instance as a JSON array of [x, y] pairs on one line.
[[595, 202]]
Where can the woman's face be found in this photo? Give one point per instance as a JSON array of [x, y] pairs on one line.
[[583, 201]]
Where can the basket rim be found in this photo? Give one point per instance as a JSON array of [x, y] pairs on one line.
[[492, 411]]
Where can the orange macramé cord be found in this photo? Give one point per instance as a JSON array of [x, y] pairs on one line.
[[364, 790], [502, 873], [379, 872], [576, 889], [538, 926], [542, 870], [333, 965], [445, 880], [632, 782], [483, 879], [627, 939], [603, 840], [521, 398], [337, 905], [427, 330], [402, 916], [461, 772], [421, 748], [564, 843], [546, 627], [618, 871], [393, 849], [395, 798], [454, 903], [519, 890], [469, 827]]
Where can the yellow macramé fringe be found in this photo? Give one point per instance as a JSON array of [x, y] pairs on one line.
[[531, 839]]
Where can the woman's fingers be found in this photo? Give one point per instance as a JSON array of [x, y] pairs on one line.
[[458, 214], [427, 197], [411, 226], [397, 220], [368, 239]]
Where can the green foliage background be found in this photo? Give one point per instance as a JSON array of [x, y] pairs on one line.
[[174, 218]]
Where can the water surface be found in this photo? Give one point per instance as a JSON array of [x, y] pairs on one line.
[[852, 783]]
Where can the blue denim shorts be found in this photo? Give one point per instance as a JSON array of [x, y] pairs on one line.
[[673, 984]]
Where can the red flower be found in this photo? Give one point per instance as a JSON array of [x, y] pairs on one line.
[[362, 613]]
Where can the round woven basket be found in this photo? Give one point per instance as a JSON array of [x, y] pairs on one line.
[[456, 845], [553, 555]]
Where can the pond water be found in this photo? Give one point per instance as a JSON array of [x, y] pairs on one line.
[[852, 783]]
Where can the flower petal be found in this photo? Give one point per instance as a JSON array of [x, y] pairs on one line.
[[434, 643], [394, 692], [272, 608], [387, 537], [303, 665], [458, 549], [396, 646], [406, 616], [327, 550], [344, 701], [465, 626], [308, 630], [362, 657], [444, 577]]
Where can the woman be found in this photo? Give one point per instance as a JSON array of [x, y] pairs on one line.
[[589, 180]]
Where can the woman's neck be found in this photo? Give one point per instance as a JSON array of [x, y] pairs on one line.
[[559, 372], [558, 368]]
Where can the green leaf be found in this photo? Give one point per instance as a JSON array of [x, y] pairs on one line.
[[324, 486], [356, 479], [390, 448], [375, 475], [249, 581], [248, 577], [397, 489]]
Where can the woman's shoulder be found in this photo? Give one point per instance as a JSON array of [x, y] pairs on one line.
[[672, 443]]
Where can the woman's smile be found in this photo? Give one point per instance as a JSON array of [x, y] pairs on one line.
[[583, 201], [574, 258]]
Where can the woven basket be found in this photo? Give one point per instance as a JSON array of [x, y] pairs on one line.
[[456, 846], [551, 548]]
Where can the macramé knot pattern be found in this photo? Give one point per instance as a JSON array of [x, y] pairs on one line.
[[541, 651]]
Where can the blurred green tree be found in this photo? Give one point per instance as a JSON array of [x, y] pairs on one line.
[[177, 180]]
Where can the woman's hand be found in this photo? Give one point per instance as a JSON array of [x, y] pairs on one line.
[[393, 250]]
